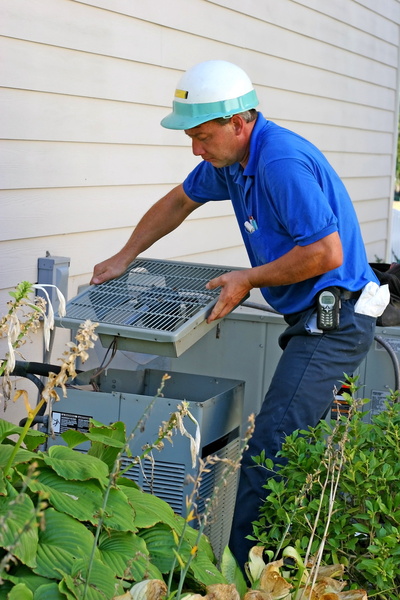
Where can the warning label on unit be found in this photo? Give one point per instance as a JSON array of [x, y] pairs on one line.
[[378, 401], [63, 421]]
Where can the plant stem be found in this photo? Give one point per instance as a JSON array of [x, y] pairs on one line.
[[32, 414]]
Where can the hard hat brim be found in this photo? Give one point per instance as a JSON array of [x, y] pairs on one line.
[[186, 115]]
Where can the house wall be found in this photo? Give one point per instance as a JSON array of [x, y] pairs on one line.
[[86, 83]]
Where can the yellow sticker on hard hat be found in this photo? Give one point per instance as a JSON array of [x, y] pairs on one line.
[[181, 94]]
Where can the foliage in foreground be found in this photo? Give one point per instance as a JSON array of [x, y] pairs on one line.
[[54, 503], [338, 495]]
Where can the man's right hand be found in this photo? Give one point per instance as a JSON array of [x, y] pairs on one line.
[[108, 269]]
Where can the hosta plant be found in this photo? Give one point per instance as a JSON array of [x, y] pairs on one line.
[[71, 527]]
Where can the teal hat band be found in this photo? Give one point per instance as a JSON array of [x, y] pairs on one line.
[[186, 115]]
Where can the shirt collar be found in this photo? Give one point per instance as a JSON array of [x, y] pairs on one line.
[[250, 168]]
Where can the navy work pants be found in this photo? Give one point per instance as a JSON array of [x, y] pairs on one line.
[[300, 395]]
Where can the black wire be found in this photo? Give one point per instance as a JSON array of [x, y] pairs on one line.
[[395, 362]]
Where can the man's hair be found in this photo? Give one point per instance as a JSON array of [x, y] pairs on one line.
[[248, 116]]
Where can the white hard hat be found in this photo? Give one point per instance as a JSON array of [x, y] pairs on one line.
[[209, 90]]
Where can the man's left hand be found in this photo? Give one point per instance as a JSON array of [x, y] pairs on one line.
[[235, 286]]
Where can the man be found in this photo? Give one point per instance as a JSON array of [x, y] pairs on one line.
[[302, 237]]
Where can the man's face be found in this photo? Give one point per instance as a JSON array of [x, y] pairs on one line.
[[215, 143]]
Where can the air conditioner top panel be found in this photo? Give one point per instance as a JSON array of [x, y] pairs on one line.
[[156, 302]]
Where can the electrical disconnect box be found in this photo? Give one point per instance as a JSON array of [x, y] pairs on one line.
[[53, 270], [215, 403], [377, 372]]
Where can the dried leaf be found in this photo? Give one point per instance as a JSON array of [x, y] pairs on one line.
[[257, 595], [151, 589], [327, 584], [330, 571], [273, 583], [222, 591], [256, 562]]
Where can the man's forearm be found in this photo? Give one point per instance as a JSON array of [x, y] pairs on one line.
[[301, 263], [162, 218]]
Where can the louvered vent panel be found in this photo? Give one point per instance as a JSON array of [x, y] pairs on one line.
[[153, 302], [164, 480]]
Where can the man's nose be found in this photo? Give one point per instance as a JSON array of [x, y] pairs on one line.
[[197, 148]]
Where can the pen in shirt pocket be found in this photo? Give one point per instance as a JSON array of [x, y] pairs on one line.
[[253, 222]]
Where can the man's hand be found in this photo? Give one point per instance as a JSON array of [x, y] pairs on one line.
[[108, 269], [235, 286]]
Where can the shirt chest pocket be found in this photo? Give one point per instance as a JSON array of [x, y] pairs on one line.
[[257, 242]]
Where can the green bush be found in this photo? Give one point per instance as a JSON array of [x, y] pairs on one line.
[[339, 494]]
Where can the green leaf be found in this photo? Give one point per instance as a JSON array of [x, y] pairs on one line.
[[204, 571], [78, 499], [119, 513], [20, 592], [73, 438], [49, 591], [62, 541], [102, 581], [71, 464], [23, 574], [161, 545], [22, 456], [149, 509], [84, 499], [127, 556], [19, 533], [32, 439]]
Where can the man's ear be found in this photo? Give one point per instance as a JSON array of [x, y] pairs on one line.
[[237, 123]]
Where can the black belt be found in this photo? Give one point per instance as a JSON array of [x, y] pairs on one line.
[[348, 295]]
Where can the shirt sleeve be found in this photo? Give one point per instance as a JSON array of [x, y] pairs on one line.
[[206, 183]]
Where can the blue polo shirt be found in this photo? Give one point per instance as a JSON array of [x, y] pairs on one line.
[[295, 198]]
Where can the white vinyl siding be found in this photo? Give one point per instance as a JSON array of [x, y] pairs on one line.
[[86, 83]]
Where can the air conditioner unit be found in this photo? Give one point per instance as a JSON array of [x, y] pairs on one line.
[[121, 395]]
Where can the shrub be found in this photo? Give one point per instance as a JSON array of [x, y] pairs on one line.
[[338, 497]]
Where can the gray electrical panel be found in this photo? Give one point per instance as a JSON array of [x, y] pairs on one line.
[[377, 372]]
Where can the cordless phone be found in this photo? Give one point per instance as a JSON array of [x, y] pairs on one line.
[[328, 309]]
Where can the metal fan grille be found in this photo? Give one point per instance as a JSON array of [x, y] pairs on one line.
[[157, 307], [152, 294]]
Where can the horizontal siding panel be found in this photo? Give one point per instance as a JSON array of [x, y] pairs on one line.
[[56, 164], [375, 231], [33, 66], [31, 115], [306, 109], [385, 8], [265, 37], [371, 210], [231, 257], [352, 27], [19, 262], [357, 165], [369, 188], [51, 212], [342, 139], [379, 18], [76, 26]]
